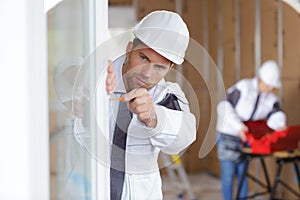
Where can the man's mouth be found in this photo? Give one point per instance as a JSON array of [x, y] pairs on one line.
[[140, 81]]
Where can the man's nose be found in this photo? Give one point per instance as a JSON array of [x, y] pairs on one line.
[[147, 70]]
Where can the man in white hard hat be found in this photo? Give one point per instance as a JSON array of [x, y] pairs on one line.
[[247, 100], [159, 114]]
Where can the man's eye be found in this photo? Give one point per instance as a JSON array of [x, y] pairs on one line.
[[160, 67], [143, 57]]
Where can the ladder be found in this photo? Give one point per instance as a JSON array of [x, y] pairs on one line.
[[176, 172]]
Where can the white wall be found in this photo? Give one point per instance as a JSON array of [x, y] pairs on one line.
[[23, 103]]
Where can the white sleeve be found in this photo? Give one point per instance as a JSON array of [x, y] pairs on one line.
[[175, 130], [228, 121], [277, 120]]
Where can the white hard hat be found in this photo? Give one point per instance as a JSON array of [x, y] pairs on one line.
[[166, 33], [270, 74]]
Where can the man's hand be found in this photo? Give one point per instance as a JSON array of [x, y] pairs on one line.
[[111, 80], [283, 128], [141, 103], [242, 133]]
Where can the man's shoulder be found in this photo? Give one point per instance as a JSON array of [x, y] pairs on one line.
[[245, 84], [167, 87]]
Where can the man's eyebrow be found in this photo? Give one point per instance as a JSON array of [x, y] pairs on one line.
[[142, 54], [162, 66], [157, 65]]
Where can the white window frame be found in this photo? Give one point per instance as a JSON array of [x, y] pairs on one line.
[[24, 148], [100, 172]]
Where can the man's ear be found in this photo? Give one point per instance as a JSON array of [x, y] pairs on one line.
[[129, 48]]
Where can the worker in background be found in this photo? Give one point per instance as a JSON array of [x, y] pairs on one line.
[[247, 100], [158, 111]]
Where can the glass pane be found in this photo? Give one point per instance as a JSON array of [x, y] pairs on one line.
[[69, 36]]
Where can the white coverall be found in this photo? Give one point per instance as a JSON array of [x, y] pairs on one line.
[[243, 103], [174, 132], [238, 108]]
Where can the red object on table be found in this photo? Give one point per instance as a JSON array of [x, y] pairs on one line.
[[264, 140]]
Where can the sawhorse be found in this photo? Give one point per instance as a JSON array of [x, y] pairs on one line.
[[247, 157], [283, 158]]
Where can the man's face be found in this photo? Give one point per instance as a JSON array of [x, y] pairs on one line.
[[265, 88], [143, 67]]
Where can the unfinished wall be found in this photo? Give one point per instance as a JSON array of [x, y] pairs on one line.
[[192, 12]]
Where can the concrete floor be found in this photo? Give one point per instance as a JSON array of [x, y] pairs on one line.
[[204, 187]]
